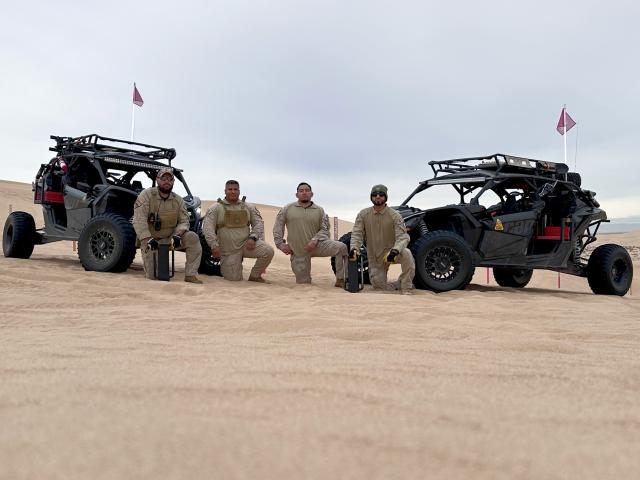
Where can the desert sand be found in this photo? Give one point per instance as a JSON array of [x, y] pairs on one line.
[[111, 376]]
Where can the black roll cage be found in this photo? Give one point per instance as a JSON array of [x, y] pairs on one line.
[[104, 152], [466, 175]]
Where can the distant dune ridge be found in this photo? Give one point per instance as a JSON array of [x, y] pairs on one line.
[[114, 376]]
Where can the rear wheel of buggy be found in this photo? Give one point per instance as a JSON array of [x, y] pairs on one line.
[[512, 277], [208, 265], [346, 239], [19, 235], [443, 261], [610, 270], [107, 243]]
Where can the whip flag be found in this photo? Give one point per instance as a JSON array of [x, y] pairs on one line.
[[137, 98], [565, 123]]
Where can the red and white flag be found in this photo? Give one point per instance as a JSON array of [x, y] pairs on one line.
[[137, 98], [561, 127]]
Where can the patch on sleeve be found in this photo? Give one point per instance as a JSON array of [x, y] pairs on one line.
[[138, 203]]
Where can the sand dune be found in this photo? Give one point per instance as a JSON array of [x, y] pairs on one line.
[[111, 376]]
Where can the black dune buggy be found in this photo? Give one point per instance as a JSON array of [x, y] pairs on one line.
[[514, 215], [87, 192]]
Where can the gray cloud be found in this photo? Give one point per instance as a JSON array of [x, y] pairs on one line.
[[341, 94]]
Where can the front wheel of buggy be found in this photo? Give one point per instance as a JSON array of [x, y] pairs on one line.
[[107, 243], [610, 270], [443, 261], [19, 235], [512, 277]]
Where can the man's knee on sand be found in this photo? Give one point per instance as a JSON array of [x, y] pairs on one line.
[[301, 268], [378, 276], [190, 240]]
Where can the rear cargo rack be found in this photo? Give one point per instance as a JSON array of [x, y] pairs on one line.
[[497, 162], [94, 143]]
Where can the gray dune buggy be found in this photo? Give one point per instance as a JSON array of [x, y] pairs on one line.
[[87, 192], [515, 215]]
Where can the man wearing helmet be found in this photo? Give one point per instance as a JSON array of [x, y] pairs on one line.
[[386, 237]]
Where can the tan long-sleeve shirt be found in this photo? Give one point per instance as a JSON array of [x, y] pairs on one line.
[[304, 223], [381, 231]]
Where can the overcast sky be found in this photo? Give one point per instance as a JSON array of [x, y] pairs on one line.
[[340, 94]]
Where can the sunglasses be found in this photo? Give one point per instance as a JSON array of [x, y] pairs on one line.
[[166, 178], [378, 194]]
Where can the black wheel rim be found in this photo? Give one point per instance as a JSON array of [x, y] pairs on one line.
[[443, 264], [102, 244]]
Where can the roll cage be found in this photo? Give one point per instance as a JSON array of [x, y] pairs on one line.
[[108, 154], [496, 172]]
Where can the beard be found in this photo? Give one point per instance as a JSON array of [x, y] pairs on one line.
[[165, 190], [378, 201]]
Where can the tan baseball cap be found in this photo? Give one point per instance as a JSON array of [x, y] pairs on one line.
[[165, 170]]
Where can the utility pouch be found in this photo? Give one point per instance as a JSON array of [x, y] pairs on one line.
[[154, 221], [236, 218]]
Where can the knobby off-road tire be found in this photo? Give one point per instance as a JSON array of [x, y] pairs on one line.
[[346, 239], [443, 262], [610, 270], [19, 235], [208, 265], [512, 277], [107, 243]]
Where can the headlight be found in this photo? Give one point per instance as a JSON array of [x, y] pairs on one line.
[[199, 211]]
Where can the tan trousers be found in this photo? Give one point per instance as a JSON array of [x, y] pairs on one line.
[[301, 265], [231, 265], [190, 245], [378, 273]]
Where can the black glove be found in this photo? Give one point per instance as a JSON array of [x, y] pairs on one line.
[[354, 254], [391, 256], [176, 241], [152, 244]]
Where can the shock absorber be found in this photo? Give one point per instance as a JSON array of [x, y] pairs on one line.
[[422, 228], [577, 249]]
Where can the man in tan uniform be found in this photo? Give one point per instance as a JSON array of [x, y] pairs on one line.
[[234, 230], [307, 236], [385, 234], [159, 215]]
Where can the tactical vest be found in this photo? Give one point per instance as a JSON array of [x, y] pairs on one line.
[[167, 210], [234, 218]]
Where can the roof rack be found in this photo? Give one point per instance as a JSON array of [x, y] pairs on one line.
[[96, 144], [497, 162]]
